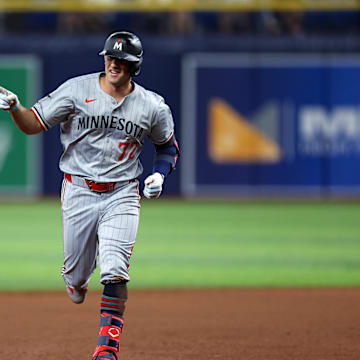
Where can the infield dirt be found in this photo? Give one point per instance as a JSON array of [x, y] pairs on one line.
[[236, 324]]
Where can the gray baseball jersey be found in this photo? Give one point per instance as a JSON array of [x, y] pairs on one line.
[[103, 139]]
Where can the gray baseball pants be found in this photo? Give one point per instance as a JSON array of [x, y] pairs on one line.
[[98, 226]]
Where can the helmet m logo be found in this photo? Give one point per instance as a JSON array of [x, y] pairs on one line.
[[118, 45]]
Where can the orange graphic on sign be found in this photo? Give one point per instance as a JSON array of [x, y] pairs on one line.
[[233, 139]]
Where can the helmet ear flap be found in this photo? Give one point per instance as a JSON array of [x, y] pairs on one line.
[[135, 68]]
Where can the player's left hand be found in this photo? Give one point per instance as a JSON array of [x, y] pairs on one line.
[[153, 186]]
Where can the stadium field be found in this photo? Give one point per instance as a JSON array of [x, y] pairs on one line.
[[198, 244]]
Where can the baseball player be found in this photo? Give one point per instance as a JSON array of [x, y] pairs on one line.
[[104, 118]]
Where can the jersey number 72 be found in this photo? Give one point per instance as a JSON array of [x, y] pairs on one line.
[[127, 147]]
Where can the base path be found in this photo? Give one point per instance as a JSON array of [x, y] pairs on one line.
[[236, 324]]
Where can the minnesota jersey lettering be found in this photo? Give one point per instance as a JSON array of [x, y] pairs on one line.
[[111, 122]]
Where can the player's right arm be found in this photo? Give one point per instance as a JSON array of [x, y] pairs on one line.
[[25, 119]]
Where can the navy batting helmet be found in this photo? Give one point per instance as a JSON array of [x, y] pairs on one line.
[[127, 46]]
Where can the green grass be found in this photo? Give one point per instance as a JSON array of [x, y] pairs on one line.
[[198, 244]]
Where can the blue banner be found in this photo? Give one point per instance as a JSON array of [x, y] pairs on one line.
[[271, 124]]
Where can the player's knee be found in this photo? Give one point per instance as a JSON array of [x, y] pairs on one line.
[[75, 281]]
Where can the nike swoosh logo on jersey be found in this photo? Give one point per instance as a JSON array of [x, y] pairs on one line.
[[89, 100]]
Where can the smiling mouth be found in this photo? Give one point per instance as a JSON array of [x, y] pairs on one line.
[[114, 72]]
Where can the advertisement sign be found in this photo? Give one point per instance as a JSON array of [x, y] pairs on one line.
[[20, 171], [263, 124]]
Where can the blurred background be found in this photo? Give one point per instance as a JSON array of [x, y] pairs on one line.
[[265, 94]]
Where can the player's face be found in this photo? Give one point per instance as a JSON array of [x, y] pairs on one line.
[[117, 71]]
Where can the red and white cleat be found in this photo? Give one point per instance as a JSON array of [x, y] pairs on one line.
[[105, 355]]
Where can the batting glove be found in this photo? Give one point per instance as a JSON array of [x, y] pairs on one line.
[[8, 100], [153, 185]]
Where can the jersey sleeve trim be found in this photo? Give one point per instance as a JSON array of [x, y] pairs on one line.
[[167, 140], [38, 118]]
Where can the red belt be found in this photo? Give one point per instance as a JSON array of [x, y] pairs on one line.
[[100, 187], [97, 187]]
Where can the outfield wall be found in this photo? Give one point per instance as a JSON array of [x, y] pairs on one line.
[[291, 106]]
